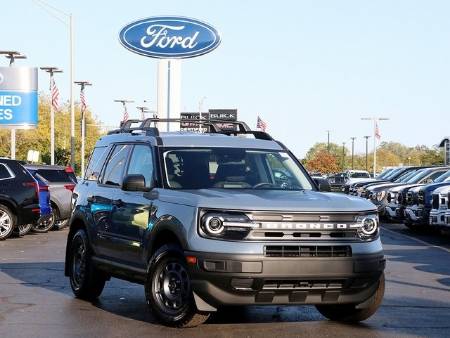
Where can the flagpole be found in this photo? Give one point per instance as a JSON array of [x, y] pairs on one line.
[[83, 84], [375, 136], [51, 71]]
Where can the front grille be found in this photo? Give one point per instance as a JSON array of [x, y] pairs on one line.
[[276, 226], [421, 197], [307, 251], [400, 198], [409, 198], [435, 202]]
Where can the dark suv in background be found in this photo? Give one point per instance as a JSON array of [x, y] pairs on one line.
[[19, 197]]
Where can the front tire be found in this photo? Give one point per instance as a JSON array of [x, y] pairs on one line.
[[168, 289], [349, 312], [7, 222], [86, 281]]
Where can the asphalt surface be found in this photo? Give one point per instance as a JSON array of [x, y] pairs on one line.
[[36, 300]]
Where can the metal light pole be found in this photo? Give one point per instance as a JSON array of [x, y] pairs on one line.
[[353, 151], [82, 85], [125, 111], [328, 140], [343, 156], [66, 19], [200, 107], [367, 152], [375, 122], [51, 71], [12, 56]]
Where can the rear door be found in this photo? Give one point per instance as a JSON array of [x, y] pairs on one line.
[[130, 212]]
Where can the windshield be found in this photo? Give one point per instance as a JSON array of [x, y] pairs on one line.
[[394, 173], [443, 178], [359, 175], [406, 176], [418, 176], [233, 168], [385, 173]]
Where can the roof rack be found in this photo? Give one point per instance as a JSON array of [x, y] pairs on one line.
[[214, 126]]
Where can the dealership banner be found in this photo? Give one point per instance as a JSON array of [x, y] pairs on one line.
[[18, 97], [212, 115]]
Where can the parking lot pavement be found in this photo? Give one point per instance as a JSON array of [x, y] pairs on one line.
[[36, 300]]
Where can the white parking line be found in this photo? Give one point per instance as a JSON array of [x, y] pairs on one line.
[[418, 240]]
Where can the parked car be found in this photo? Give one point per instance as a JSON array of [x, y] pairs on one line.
[[44, 207], [353, 181], [19, 197], [439, 207], [397, 175], [60, 181], [203, 222], [419, 200], [338, 181], [389, 196]]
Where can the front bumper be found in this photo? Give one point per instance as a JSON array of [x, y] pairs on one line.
[[417, 215], [437, 217], [225, 279]]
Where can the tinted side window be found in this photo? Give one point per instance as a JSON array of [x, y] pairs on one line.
[[95, 165], [141, 163], [113, 174], [4, 173]]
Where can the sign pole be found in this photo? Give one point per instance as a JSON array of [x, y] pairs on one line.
[[83, 84]]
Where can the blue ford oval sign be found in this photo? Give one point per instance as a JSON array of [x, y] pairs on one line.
[[169, 37]]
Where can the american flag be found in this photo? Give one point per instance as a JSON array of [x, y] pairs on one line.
[[260, 124], [83, 100], [55, 95], [377, 131], [125, 113]]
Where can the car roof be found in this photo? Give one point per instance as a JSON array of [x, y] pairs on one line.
[[191, 139]]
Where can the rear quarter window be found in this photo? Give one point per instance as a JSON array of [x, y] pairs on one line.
[[55, 175], [96, 162]]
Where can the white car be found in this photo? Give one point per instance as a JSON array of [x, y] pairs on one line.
[[439, 206]]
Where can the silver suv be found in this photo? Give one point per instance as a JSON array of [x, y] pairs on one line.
[[227, 217]]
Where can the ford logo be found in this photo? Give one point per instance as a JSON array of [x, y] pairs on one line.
[[169, 37]]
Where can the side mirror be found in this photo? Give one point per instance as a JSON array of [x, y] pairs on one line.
[[323, 184], [134, 183]]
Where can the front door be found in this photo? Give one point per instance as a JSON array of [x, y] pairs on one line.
[[130, 213]]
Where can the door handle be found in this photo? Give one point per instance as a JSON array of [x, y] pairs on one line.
[[118, 203], [90, 199]]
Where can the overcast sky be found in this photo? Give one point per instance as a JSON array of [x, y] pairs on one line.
[[303, 66]]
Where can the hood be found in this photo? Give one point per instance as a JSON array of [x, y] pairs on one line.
[[442, 190], [383, 186], [399, 188], [277, 200], [360, 180], [431, 187]]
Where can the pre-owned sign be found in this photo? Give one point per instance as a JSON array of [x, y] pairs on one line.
[[18, 97]]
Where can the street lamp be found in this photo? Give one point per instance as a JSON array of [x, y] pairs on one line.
[[66, 19], [51, 71], [12, 56], [353, 151], [375, 136], [82, 85], [367, 152], [328, 140], [343, 156], [144, 110]]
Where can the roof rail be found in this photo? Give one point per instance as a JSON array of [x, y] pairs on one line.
[[214, 126]]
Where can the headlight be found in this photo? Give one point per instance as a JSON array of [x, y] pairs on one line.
[[381, 195], [369, 226], [224, 225]]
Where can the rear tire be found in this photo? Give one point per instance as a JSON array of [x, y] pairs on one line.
[[168, 289], [44, 226], [22, 230], [86, 281], [7, 222], [349, 313]]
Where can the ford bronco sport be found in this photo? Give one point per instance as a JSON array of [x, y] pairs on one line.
[[227, 217]]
